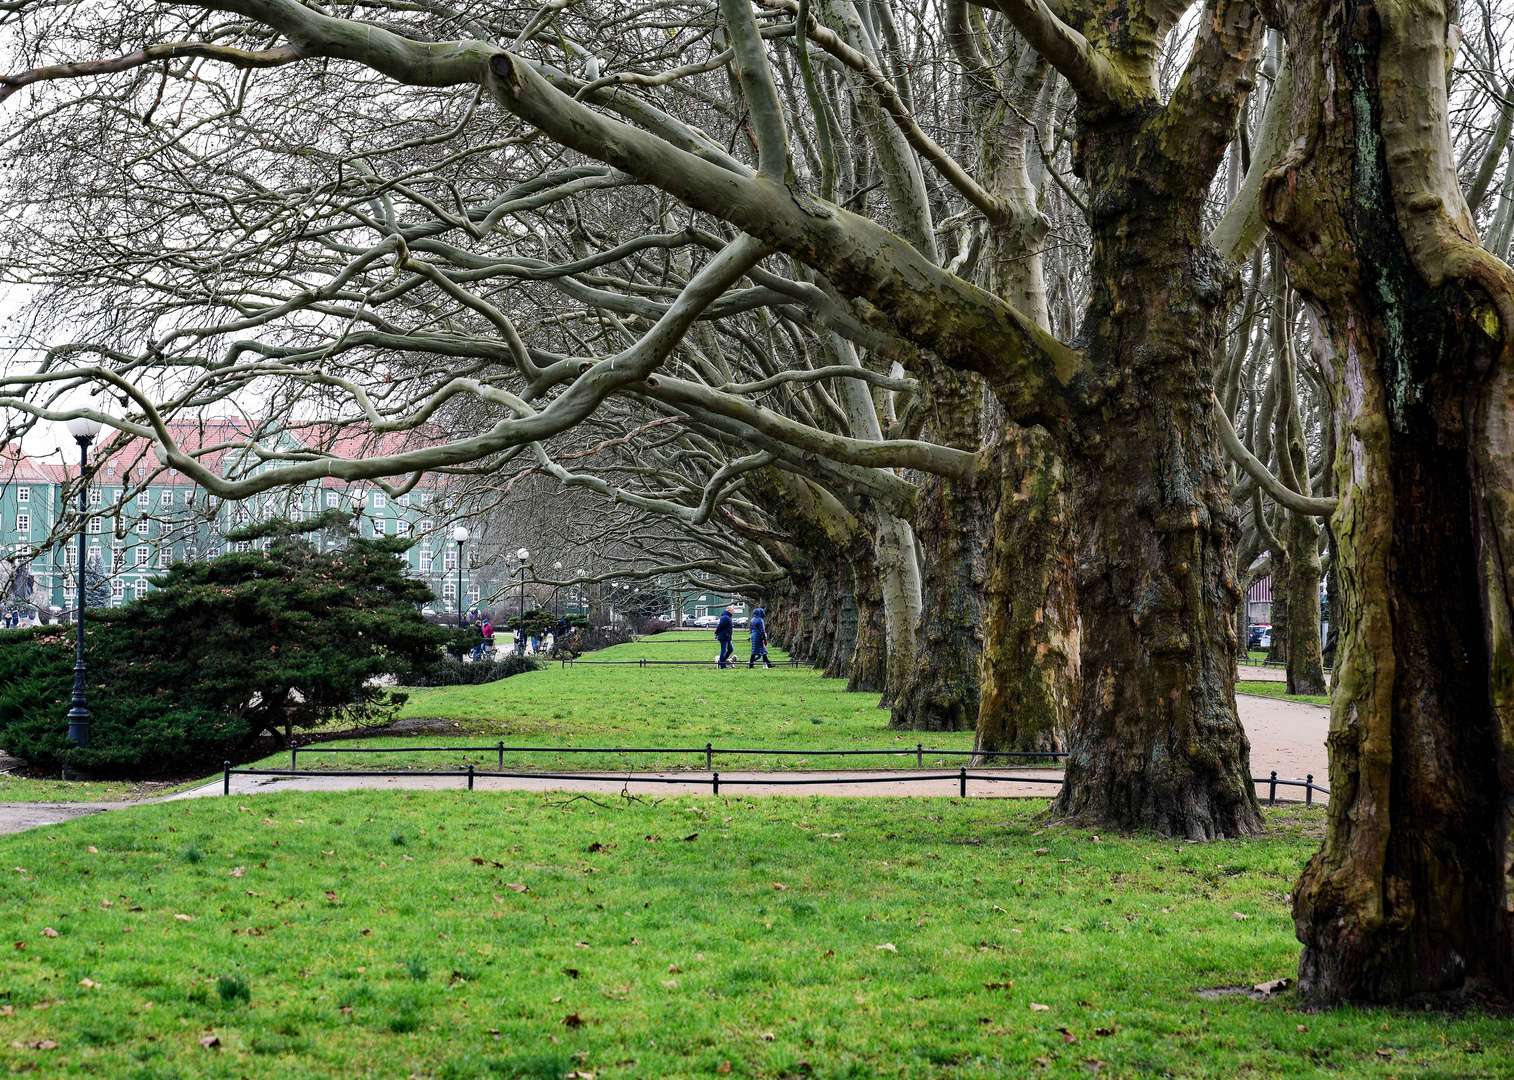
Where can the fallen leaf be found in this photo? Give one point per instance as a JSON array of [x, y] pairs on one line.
[[21, 945], [248, 809], [674, 969], [887, 946], [998, 908], [210, 1041], [780, 886], [671, 984], [184, 918], [7, 1010], [407, 858], [767, 1036], [268, 821], [999, 985], [580, 944], [596, 848], [1272, 986], [238, 871], [1303, 1027], [48, 931], [1042, 851], [1068, 1037], [477, 861], [328, 853], [332, 897], [691, 837], [573, 1020], [723, 1068], [514, 887], [1036, 1006], [1238, 915], [88, 984], [571, 973], [92, 850], [1103, 1032]]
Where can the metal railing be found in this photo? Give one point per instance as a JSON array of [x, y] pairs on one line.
[[962, 776], [643, 662], [709, 750]]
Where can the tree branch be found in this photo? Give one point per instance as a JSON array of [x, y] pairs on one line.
[[1280, 493]]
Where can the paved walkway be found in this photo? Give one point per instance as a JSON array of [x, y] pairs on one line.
[[1288, 736]]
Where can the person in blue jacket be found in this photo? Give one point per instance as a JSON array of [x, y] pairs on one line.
[[723, 635], [758, 634]]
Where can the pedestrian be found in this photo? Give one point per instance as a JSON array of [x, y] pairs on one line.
[[723, 635], [488, 631], [757, 633], [478, 646]]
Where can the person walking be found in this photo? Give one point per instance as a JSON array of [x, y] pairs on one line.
[[723, 635], [757, 633], [488, 631]]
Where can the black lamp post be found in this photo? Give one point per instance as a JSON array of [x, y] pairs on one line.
[[557, 592], [84, 430], [524, 556], [460, 534]]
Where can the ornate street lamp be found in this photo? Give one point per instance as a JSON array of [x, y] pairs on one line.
[[557, 592], [460, 534], [84, 430]]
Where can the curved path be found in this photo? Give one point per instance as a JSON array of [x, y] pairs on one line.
[[1287, 736]]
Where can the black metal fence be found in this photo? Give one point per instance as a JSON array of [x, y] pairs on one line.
[[709, 750], [730, 662]]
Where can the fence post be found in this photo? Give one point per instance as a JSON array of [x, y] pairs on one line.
[[1272, 789], [226, 778], [919, 755], [294, 754], [470, 776], [502, 755], [709, 755], [1308, 789], [962, 792], [715, 784]]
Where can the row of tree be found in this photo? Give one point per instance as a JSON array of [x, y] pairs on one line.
[[995, 342]]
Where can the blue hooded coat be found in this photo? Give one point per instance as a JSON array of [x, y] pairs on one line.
[[757, 632], [723, 629]]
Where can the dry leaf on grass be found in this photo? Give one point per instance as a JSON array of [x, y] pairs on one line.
[[671, 984], [1272, 986], [780, 886], [89, 984], [184, 918], [1238, 915], [48, 931], [210, 1041], [691, 838], [332, 897], [723, 1068], [887, 946], [674, 969], [516, 887], [238, 871], [767, 1036], [573, 1020], [1068, 1037], [1036, 1006], [92, 850]]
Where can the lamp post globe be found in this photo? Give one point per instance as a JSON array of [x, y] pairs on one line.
[[460, 535], [557, 593], [84, 430], [524, 556]]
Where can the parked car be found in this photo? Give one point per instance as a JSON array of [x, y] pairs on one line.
[[706, 620], [1261, 636]]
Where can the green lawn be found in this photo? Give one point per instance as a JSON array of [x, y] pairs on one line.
[[383, 934], [28, 789], [672, 707], [1279, 690]]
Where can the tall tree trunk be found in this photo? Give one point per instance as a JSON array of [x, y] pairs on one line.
[[1282, 592], [1306, 665], [1156, 742], [1412, 890], [869, 671], [942, 691], [1029, 675], [845, 645], [899, 580]]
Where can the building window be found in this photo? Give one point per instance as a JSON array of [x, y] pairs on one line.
[[73, 559], [23, 523], [379, 500], [143, 554], [118, 589], [449, 592], [331, 500], [378, 527], [243, 545], [425, 562], [426, 525], [142, 526], [165, 558], [110, 469], [213, 553], [96, 496], [189, 497], [141, 589], [166, 498], [402, 528], [141, 470], [68, 598], [449, 560], [117, 559], [94, 525], [24, 495], [242, 516], [404, 500], [144, 499], [473, 595]]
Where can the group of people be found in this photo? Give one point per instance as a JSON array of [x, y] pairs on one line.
[[757, 634], [12, 620]]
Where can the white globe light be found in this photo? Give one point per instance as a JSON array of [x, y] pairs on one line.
[[84, 427], [522, 554], [460, 534], [557, 566]]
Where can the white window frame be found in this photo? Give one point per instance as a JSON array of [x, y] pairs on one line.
[[379, 528], [117, 560], [402, 528], [96, 497], [144, 498], [213, 553], [243, 545], [118, 589], [472, 595], [143, 526], [449, 560], [427, 525], [140, 588], [426, 562], [165, 558], [449, 592], [332, 499], [24, 495], [378, 500], [24, 523], [95, 526]]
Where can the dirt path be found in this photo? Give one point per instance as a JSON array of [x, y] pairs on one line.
[[1287, 736]]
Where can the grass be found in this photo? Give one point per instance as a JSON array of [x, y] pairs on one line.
[[1279, 690], [15, 788], [672, 707], [385, 934]]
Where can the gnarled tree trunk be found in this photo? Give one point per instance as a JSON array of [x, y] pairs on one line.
[[1412, 890]]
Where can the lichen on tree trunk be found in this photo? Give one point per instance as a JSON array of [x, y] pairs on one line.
[[1029, 668], [1411, 892]]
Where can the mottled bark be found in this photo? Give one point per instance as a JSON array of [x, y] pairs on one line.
[[845, 641], [1305, 660], [1156, 742], [899, 582], [1411, 892], [1029, 674], [942, 691], [869, 668]]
